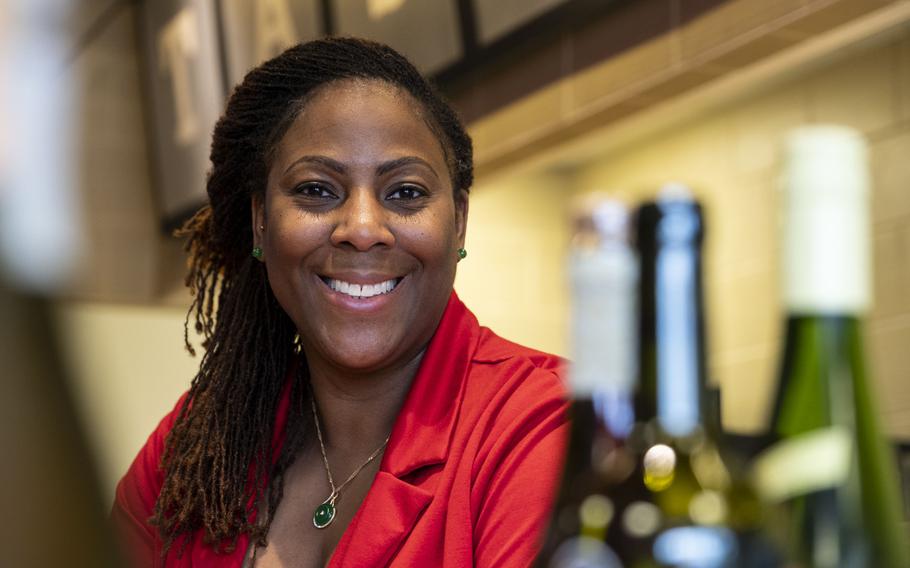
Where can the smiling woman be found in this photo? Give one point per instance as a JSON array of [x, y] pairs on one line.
[[349, 410]]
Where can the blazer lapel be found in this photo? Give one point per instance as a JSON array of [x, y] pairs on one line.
[[385, 518], [420, 438]]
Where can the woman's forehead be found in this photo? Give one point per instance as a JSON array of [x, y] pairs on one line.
[[346, 115]]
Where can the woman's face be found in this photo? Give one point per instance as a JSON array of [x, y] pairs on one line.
[[360, 226]]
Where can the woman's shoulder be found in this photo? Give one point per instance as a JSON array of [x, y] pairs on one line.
[[137, 491], [495, 350], [514, 382]]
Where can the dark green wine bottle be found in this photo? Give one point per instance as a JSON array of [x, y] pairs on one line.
[[689, 484], [709, 516], [832, 470], [645, 484]]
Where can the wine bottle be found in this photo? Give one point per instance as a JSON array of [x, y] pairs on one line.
[[645, 483], [689, 487], [603, 273], [831, 469]]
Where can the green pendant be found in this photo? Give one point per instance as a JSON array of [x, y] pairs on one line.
[[324, 514]]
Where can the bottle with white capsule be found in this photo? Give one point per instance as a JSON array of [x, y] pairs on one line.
[[832, 469], [603, 274]]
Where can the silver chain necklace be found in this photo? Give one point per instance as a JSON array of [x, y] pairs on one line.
[[325, 513]]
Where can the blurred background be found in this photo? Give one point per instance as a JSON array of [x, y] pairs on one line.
[[107, 106]]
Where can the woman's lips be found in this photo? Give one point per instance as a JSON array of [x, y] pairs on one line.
[[356, 290], [364, 294]]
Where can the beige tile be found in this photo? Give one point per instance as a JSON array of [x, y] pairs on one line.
[[678, 82], [742, 52], [824, 15], [517, 239], [498, 154], [731, 25], [891, 277], [897, 425], [857, 92], [114, 180], [889, 365], [519, 122], [744, 309], [759, 126], [902, 74], [891, 176], [743, 218], [624, 75], [748, 387]]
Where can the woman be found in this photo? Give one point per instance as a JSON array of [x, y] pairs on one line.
[[349, 410]]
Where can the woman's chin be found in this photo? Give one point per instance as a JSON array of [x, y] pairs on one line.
[[365, 355]]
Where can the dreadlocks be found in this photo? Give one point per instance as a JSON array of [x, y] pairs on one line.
[[219, 461]]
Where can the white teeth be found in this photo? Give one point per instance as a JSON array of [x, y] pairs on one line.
[[361, 291]]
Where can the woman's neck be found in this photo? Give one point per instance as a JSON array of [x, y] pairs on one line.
[[357, 411]]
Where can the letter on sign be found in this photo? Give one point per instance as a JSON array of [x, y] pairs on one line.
[[274, 28], [178, 42]]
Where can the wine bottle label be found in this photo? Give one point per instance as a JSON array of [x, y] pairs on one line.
[[603, 321], [825, 229], [803, 464]]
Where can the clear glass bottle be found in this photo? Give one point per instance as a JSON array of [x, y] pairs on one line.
[[603, 273]]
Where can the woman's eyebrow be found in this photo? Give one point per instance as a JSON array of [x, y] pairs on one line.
[[386, 167], [333, 165], [381, 169]]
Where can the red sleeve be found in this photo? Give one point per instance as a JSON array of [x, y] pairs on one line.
[[520, 477], [134, 500]]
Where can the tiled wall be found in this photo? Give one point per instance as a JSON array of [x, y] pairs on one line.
[[129, 258], [731, 156]]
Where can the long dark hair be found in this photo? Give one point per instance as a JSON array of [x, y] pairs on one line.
[[219, 461]]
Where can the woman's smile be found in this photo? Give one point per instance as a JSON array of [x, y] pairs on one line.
[[367, 293]]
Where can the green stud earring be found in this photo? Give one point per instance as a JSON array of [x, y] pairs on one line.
[[257, 253], [462, 253]]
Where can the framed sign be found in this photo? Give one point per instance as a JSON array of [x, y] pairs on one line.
[[183, 67], [426, 31], [256, 30], [497, 18]]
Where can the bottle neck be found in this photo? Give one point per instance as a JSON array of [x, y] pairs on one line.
[[604, 281], [672, 359]]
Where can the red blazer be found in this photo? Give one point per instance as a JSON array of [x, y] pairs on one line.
[[468, 477]]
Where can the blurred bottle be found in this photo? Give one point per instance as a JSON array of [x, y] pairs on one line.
[[832, 469], [603, 270], [53, 511], [705, 514], [645, 483]]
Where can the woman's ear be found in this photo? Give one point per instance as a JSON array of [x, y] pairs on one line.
[[461, 215]]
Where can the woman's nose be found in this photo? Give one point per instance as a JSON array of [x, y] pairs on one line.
[[363, 222]]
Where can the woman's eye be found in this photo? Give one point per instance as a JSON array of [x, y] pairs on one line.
[[314, 190], [407, 192]]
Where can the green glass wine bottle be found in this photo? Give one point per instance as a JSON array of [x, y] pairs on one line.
[[832, 470], [690, 489]]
